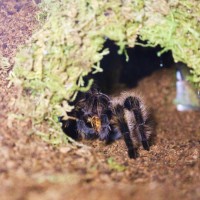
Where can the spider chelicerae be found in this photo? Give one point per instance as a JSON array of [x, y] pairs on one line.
[[96, 115]]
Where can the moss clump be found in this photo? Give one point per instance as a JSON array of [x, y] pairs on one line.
[[69, 45], [178, 30], [113, 165]]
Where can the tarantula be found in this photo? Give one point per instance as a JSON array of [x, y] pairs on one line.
[[97, 115]]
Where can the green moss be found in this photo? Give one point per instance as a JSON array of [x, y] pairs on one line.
[[177, 30], [115, 166], [69, 45]]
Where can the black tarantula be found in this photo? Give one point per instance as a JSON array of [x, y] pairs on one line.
[[97, 115]]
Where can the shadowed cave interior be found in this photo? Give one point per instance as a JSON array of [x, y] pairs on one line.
[[119, 73]]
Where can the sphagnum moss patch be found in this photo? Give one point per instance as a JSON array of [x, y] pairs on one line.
[[68, 45]]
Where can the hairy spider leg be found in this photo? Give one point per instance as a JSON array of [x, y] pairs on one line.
[[89, 105], [114, 132], [133, 104], [87, 131], [125, 131], [86, 105], [103, 102], [100, 102], [105, 127]]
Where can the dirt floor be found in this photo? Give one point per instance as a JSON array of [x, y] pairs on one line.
[[32, 169]]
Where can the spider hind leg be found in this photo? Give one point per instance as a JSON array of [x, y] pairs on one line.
[[133, 104], [125, 131]]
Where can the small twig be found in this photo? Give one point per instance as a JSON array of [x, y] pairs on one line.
[[77, 143], [72, 118]]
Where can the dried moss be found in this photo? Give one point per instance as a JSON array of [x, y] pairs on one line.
[[69, 45]]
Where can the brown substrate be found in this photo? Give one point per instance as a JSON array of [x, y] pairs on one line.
[[33, 169]]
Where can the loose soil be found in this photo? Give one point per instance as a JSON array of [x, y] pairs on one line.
[[32, 169]]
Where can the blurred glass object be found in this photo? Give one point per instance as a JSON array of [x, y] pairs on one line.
[[187, 96]]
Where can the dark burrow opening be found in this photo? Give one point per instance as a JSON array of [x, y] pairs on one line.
[[119, 73]]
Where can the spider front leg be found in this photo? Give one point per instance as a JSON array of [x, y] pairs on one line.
[[114, 134], [133, 104], [105, 127], [123, 127], [109, 131], [84, 129]]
